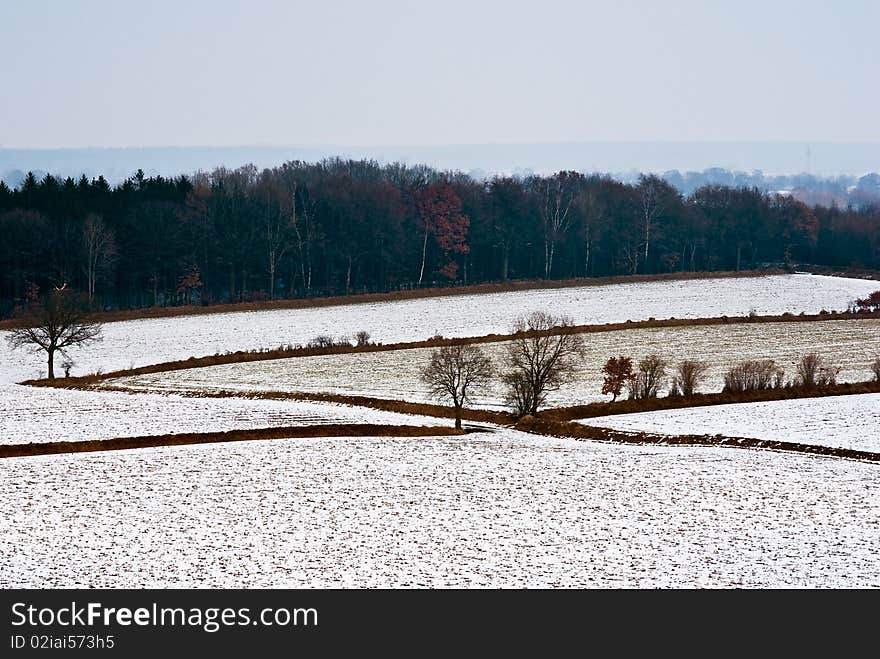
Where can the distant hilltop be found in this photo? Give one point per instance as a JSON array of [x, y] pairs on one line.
[[828, 169]]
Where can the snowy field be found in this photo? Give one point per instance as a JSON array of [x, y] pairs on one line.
[[141, 342], [851, 422], [850, 345], [50, 415], [484, 511], [148, 341]]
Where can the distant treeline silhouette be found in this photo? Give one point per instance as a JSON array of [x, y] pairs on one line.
[[342, 226]]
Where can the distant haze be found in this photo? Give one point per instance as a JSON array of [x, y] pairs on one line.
[[110, 73], [116, 164]]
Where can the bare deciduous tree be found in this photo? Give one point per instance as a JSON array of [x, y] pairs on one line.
[[649, 379], [99, 249], [362, 338], [540, 360], [557, 195], [60, 322], [688, 375], [454, 372], [278, 224]]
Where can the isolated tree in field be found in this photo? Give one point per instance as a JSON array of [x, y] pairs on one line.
[[649, 379], [59, 322], [99, 250], [454, 372], [617, 372], [689, 373], [541, 358]]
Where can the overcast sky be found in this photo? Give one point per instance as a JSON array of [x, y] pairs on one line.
[[118, 73]]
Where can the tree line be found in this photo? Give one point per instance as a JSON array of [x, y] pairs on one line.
[[343, 226]]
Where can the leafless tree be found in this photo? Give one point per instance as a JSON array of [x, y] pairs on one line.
[[278, 224], [362, 338], [540, 359], [649, 379], [99, 249], [688, 375], [454, 372], [875, 368], [556, 197], [650, 190], [60, 322]]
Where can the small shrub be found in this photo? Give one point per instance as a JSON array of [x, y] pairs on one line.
[[753, 375], [321, 341], [812, 371], [688, 376], [647, 382], [875, 368]]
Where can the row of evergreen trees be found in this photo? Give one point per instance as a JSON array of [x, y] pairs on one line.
[[337, 226]]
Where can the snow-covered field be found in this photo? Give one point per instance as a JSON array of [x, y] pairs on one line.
[[49, 415], [142, 342], [488, 510], [850, 345], [851, 422]]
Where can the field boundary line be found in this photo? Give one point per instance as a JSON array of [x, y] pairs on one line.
[[257, 355], [194, 439]]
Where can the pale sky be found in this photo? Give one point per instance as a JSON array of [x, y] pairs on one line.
[[184, 72]]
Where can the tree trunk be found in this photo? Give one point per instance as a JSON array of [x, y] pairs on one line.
[[587, 259], [424, 253], [738, 255], [458, 418], [51, 363], [505, 262], [546, 258], [272, 279], [348, 276]]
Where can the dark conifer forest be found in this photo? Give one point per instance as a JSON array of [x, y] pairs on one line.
[[340, 226]]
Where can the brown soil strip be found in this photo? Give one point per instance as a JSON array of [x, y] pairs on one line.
[[703, 400], [188, 439], [365, 298], [267, 355], [544, 426], [557, 422]]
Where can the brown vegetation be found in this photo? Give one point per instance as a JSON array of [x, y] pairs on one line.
[[553, 428], [700, 400], [188, 439]]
